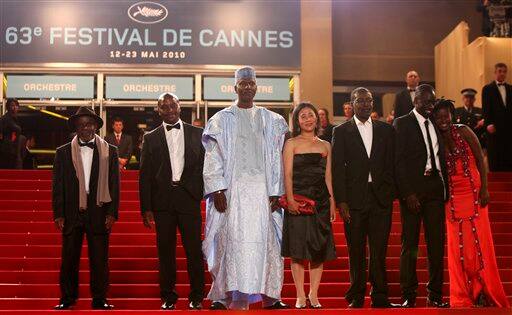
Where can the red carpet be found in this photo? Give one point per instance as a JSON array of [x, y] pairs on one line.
[[30, 254]]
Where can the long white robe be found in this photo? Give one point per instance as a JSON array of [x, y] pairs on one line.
[[242, 246]]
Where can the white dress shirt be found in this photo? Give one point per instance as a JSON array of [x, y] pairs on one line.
[[433, 137], [366, 132], [117, 136], [86, 154], [176, 144], [412, 93], [503, 92]]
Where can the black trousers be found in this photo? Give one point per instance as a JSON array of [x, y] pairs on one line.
[[499, 152], [432, 215], [98, 260], [373, 222], [189, 225]]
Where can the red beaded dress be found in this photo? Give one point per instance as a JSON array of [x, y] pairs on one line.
[[471, 260]]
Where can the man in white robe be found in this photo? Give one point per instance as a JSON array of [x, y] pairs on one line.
[[243, 178]]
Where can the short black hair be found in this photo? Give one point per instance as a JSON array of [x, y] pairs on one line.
[[295, 120], [11, 101], [117, 119], [422, 88], [500, 65], [356, 91], [444, 104]]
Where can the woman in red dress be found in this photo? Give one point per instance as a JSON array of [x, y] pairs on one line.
[[474, 277]]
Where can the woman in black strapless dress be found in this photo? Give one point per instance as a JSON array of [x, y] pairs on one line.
[[308, 238]]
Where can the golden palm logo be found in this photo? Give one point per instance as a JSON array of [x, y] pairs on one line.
[[147, 12]]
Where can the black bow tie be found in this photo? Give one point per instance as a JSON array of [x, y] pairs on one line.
[[412, 90], [87, 144], [501, 84], [175, 126]]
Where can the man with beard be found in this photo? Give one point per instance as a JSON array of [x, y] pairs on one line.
[[243, 178]]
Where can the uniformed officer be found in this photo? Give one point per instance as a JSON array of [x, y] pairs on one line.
[[470, 115]]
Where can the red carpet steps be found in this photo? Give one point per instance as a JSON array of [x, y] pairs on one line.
[[30, 252]]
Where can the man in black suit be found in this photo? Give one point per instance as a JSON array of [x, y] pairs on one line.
[[85, 196], [171, 190], [404, 99], [363, 185], [423, 186], [497, 111], [121, 140]]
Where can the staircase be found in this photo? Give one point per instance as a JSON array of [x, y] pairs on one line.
[[30, 250]]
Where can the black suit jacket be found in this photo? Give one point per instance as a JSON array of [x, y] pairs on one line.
[[156, 173], [494, 111], [403, 103], [327, 133], [351, 165], [411, 156], [125, 147], [9, 125], [65, 191]]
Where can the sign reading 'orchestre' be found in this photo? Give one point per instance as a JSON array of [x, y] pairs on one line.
[[269, 89], [48, 86], [148, 87], [151, 32]]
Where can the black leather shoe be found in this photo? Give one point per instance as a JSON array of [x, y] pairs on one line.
[[195, 305], [386, 305], [279, 305], [217, 306], [64, 306], [409, 303], [101, 304], [167, 306], [356, 303], [481, 301], [437, 303]]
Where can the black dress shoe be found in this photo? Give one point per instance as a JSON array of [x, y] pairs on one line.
[[356, 303], [437, 303], [481, 301], [409, 303], [218, 306], [386, 305], [64, 306], [279, 305], [101, 304], [168, 306], [195, 305]]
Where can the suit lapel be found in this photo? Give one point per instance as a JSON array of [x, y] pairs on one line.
[[416, 124], [440, 143], [409, 99], [498, 94], [375, 138], [355, 132], [508, 89], [163, 142], [187, 145]]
